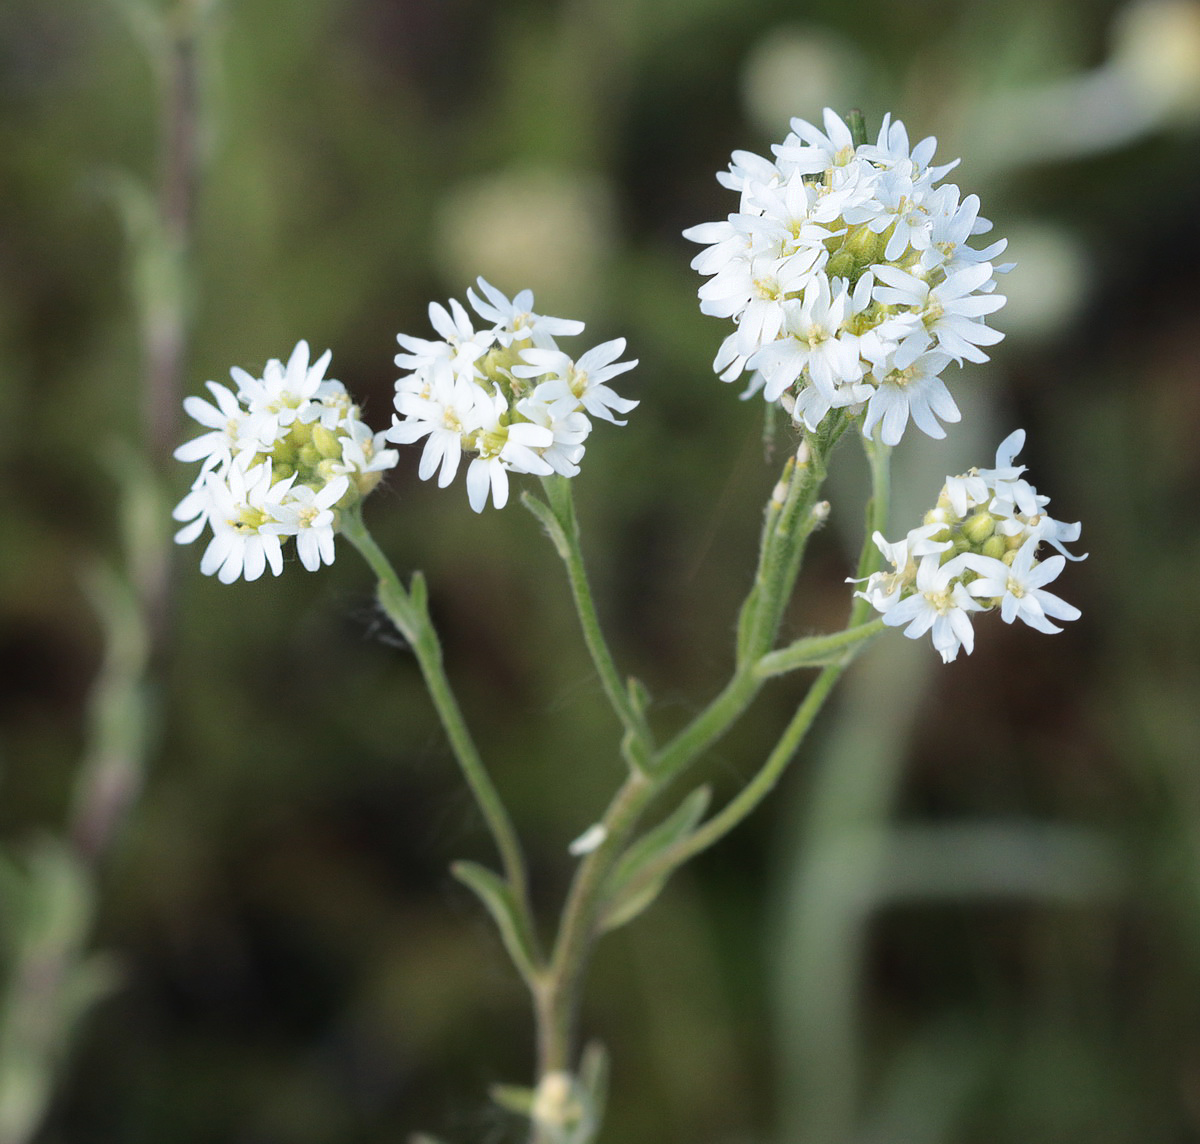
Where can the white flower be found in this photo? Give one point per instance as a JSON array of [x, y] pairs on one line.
[[917, 392], [283, 393], [241, 503], [446, 411], [884, 589], [569, 432], [280, 455], [515, 321], [363, 451], [1020, 587], [520, 407], [812, 343], [842, 267], [995, 522], [940, 605], [229, 425], [571, 385], [307, 514], [460, 346], [951, 312]]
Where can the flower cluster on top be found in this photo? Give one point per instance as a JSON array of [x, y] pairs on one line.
[[505, 393], [282, 457], [848, 274], [975, 551]]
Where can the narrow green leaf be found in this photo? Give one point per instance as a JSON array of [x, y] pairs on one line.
[[593, 1079], [623, 905], [639, 696], [498, 898], [418, 593], [818, 651], [513, 1098], [550, 523]]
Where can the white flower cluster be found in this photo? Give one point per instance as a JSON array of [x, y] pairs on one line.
[[976, 550], [281, 457], [847, 272], [506, 393]]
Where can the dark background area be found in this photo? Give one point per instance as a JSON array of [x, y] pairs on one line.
[[972, 913]]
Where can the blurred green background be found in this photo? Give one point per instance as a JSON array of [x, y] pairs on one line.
[[972, 914]]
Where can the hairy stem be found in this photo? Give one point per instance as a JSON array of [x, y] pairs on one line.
[[411, 619]]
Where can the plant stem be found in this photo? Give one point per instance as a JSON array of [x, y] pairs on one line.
[[562, 503], [557, 998], [411, 618]]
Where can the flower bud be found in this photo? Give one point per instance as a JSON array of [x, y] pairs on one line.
[[995, 546], [979, 526], [939, 515], [326, 443]]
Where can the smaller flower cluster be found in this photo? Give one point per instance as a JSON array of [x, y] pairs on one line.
[[977, 550], [282, 457], [505, 393], [848, 274]]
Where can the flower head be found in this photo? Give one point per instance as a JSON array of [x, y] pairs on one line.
[[847, 273], [506, 395], [977, 550], [282, 458]]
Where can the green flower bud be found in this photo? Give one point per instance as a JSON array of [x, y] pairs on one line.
[[939, 516], [328, 444], [309, 455], [994, 546], [979, 526], [360, 485]]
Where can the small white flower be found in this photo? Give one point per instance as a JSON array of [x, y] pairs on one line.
[[460, 346], [363, 451], [515, 321], [917, 392], [446, 411], [241, 503], [951, 312], [229, 429], [571, 385], [940, 605], [884, 589], [307, 514], [284, 393], [1020, 587]]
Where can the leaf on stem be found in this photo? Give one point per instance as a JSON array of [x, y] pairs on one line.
[[513, 1098], [818, 651], [550, 523], [501, 903], [626, 897], [593, 1078]]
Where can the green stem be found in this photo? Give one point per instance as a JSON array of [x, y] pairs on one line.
[[848, 643], [879, 457], [788, 523], [756, 790], [639, 744], [411, 618], [707, 727], [556, 999]]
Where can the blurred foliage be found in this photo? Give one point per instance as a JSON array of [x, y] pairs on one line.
[[295, 962]]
